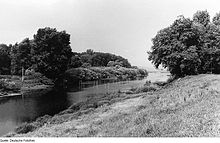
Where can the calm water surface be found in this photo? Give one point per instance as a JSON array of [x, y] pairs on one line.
[[15, 111]]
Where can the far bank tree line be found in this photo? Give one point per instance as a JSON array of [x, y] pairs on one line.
[[49, 53], [188, 46], [96, 59]]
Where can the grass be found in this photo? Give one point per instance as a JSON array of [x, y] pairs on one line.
[[187, 107]]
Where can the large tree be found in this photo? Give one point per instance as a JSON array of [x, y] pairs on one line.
[[52, 52], [188, 46], [174, 47]]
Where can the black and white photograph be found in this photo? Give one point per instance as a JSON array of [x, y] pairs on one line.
[[104, 69]]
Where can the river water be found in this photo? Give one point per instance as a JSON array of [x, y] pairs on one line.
[[17, 110]]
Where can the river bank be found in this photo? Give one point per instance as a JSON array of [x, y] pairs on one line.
[[40, 97], [11, 86], [91, 103], [117, 73], [186, 107], [35, 81], [96, 99]]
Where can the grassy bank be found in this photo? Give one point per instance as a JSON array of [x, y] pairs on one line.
[[186, 107]]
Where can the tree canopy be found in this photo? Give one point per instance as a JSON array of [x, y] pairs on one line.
[[49, 53], [21, 56], [5, 60], [96, 59], [52, 51], [188, 46]]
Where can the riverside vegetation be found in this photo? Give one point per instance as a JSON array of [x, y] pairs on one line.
[[187, 105], [48, 60]]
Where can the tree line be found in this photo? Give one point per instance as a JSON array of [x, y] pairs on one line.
[[49, 53], [188, 46], [97, 59]]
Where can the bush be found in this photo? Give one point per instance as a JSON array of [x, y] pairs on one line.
[[86, 65], [95, 73], [148, 88], [36, 78], [25, 128], [160, 83], [8, 85], [42, 120], [34, 75]]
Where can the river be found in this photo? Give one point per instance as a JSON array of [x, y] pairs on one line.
[[17, 110]]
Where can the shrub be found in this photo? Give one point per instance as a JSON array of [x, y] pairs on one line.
[[25, 128], [148, 88], [36, 78], [160, 83], [8, 85], [86, 65], [95, 73]]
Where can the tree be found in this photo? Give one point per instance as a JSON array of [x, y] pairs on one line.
[[96, 59], [188, 47], [5, 60], [21, 56], [52, 52], [114, 63], [216, 19], [202, 17], [173, 45], [75, 62], [90, 51]]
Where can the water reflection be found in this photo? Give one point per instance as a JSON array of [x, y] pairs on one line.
[[18, 110]]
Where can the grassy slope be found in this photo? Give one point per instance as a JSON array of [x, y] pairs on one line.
[[187, 107]]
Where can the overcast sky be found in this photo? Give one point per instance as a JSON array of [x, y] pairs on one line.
[[122, 27]]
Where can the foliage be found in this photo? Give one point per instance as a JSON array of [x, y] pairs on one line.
[[25, 128], [75, 61], [96, 73], [114, 63], [86, 65], [36, 78], [5, 59], [188, 47], [216, 19], [7, 85], [21, 56], [48, 53], [145, 89], [52, 52], [202, 17], [97, 59]]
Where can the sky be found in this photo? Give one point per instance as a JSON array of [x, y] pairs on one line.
[[121, 27]]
